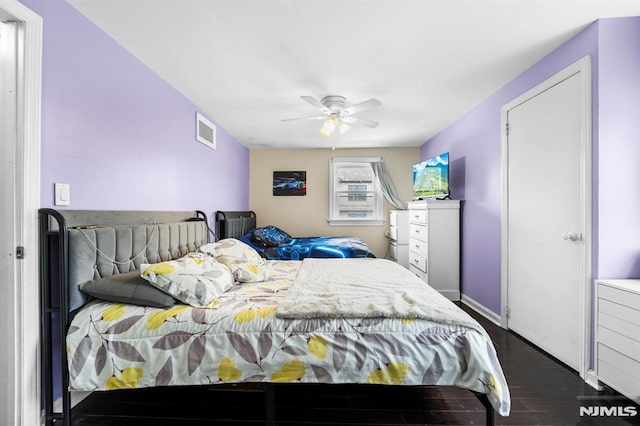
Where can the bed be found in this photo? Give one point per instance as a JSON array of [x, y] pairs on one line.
[[274, 243], [276, 322]]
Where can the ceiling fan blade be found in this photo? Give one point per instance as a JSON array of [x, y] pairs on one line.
[[315, 117], [370, 103], [316, 103], [357, 121]]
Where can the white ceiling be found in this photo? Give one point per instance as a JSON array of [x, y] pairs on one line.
[[246, 63]]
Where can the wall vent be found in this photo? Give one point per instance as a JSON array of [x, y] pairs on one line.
[[205, 131]]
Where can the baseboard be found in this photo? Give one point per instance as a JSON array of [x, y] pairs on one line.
[[482, 310], [592, 380]]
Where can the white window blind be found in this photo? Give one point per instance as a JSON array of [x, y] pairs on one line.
[[354, 193]]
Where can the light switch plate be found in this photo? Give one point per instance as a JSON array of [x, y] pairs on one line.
[[62, 194]]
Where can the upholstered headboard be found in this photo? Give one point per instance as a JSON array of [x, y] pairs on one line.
[[234, 224], [94, 244]]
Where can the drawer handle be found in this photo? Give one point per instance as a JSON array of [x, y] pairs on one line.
[[415, 261]]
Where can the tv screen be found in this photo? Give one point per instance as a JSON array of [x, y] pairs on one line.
[[431, 178]]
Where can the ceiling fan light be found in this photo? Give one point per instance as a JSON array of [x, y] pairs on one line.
[[328, 127], [343, 127]]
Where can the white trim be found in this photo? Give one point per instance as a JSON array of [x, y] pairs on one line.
[[27, 392], [355, 159], [592, 380], [482, 310], [583, 68], [355, 222]]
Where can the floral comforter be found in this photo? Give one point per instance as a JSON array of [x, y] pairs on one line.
[[113, 346]]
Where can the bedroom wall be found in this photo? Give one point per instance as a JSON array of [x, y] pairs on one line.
[[119, 134], [307, 215], [473, 142], [618, 197], [474, 145]]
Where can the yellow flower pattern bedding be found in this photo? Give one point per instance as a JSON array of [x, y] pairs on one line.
[[239, 339]]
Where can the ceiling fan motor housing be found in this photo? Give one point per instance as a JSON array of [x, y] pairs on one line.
[[334, 103]]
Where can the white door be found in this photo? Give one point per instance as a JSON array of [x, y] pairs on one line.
[[546, 225], [8, 278], [20, 71]]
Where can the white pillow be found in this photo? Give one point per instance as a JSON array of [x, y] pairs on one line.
[[195, 279], [231, 251]]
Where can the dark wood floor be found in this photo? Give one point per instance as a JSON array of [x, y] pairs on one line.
[[543, 392]]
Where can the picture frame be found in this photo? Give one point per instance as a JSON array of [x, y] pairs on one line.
[[289, 183]]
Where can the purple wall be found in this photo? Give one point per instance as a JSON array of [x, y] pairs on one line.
[[474, 145], [119, 134], [618, 249]]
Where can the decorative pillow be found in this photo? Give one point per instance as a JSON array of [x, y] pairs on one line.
[[194, 279], [231, 251], [270, 236], [129, 288]]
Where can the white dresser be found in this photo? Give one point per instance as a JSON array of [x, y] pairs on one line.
[[434, 244], [399, 237], [617, 355]]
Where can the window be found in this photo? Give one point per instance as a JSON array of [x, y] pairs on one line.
[[354, 194]]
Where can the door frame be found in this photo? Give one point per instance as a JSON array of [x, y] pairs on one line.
[[583, 68], [24, 394]]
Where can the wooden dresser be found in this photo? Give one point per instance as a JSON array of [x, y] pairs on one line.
[[617, 356]]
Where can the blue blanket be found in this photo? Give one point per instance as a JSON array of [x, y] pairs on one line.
[[280, 246]]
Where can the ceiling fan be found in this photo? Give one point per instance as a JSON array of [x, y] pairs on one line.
[[337, 115]]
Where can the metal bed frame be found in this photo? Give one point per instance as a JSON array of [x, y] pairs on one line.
[[54, 300], [234, 224], [55, 315]]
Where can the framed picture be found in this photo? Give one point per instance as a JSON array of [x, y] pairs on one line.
[[290, 183]]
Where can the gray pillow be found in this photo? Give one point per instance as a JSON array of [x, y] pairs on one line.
[[129, 288]]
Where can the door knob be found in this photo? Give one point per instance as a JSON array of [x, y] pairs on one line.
[[572, 236]]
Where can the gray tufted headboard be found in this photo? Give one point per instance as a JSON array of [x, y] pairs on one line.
[[95, 244], [98, 252]]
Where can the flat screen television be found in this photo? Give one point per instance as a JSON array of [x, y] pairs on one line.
[[431, 178]]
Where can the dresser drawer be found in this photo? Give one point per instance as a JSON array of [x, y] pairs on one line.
[[418, 246], [622, 312], [621, 327], [418, 261], [393, 251], [621, 297], [418, 216], [625, 345], [418, 273], [393, 218], [619, 371], [419, 232], [396, 250], [393, 232]]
